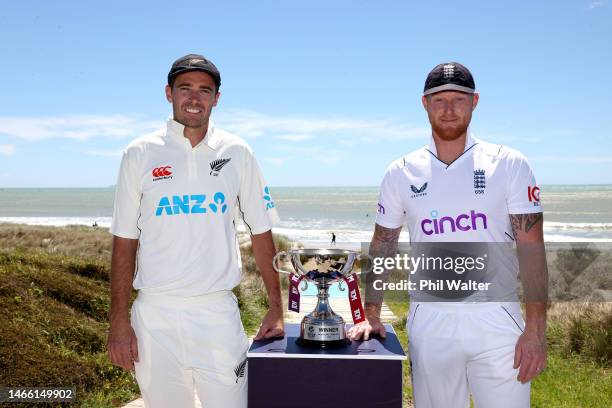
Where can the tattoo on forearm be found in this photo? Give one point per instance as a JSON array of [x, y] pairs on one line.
[[384, 235], [383, 245], [524, 222]]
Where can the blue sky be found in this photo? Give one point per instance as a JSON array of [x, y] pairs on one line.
[[326, 92]]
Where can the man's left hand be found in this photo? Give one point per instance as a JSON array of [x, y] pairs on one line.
[[272, 325], [530, 355]]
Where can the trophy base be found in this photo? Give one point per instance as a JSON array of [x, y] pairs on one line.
[[322, 344]]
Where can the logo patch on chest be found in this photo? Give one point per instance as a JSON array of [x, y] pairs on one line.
[[418, 192], [217, 165], [480, 181], [162, 173]]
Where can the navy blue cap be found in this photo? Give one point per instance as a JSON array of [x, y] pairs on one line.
[[449, 76], [194, 62]]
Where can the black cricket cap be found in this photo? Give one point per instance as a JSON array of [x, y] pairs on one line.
[[194, 62], [449, 76]]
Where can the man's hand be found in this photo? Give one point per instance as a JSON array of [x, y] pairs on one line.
[[272, 325], [530, 354], [122, 345], [370, 326]]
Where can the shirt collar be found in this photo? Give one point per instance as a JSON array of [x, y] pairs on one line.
[[469, 142], [175, 132]]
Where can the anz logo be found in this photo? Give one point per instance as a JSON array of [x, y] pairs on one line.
[[191, 204]]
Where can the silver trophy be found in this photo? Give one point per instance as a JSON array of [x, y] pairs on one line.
[[324, 267]]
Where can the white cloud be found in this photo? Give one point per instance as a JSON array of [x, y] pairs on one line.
[[572, 159], [105, 153], [295, 137], [316, 153], [597, 3], [81, 127], [7, 150], [277, 161], [329, 158], [250, 124]]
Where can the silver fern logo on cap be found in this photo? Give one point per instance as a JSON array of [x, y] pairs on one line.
[[217, 165]]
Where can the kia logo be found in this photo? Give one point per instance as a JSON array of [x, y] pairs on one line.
[[533, 192], [162, 171]]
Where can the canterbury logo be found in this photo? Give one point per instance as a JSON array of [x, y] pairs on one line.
[[240, 368], [162, 171], [418, 190], [217, 165]]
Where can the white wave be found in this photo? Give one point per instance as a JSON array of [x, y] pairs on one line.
[[553, 231], [104, 222], [569, 238], [577, 225]]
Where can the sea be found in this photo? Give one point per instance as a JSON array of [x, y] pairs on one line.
[[572, 213]]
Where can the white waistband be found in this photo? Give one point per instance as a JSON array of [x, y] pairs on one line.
[[168, 298], [466, 307]]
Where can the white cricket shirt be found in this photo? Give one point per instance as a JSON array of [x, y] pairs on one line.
[[468, 200], [181, 202]]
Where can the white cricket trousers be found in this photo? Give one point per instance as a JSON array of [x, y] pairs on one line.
[[190, 344], [458, 348]]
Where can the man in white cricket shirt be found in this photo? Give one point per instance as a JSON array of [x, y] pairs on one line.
[[178, 193], [461, 189]]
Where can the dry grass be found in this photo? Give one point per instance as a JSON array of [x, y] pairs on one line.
[[54, 301], [582, 329]]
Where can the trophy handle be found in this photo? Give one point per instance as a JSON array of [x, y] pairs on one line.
[[275, 259], [368, 270]]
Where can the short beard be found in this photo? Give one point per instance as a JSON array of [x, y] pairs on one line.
[[450, 134]]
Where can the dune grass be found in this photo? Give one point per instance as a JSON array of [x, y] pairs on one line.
[[579, 372], [54, 302]]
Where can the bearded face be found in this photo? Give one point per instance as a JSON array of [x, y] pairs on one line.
[[450, 113]]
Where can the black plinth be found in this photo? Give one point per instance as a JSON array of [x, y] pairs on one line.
[[283, 374]]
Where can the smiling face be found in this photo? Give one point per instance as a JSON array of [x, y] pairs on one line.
[[450, 113], [193, 95]]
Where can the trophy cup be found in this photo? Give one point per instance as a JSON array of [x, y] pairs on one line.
[[322, 327]]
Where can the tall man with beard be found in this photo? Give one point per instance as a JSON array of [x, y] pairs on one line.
[[462, 189], [178, 193]]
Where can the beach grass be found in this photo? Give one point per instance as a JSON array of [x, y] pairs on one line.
[[54, 300], [579, 372]]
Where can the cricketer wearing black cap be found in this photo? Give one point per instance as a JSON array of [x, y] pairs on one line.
[[183, 333], [194, 62], [479, 345], [449, 76]]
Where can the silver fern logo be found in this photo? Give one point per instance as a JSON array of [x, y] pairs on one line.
[[240, 370], [217, 165]]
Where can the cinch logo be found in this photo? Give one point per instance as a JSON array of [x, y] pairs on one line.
[[533, 192], [380, 209], [463, 222], [191, 204]]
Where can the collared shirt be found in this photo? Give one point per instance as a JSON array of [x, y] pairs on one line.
[[181, 202], [466, 201]]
